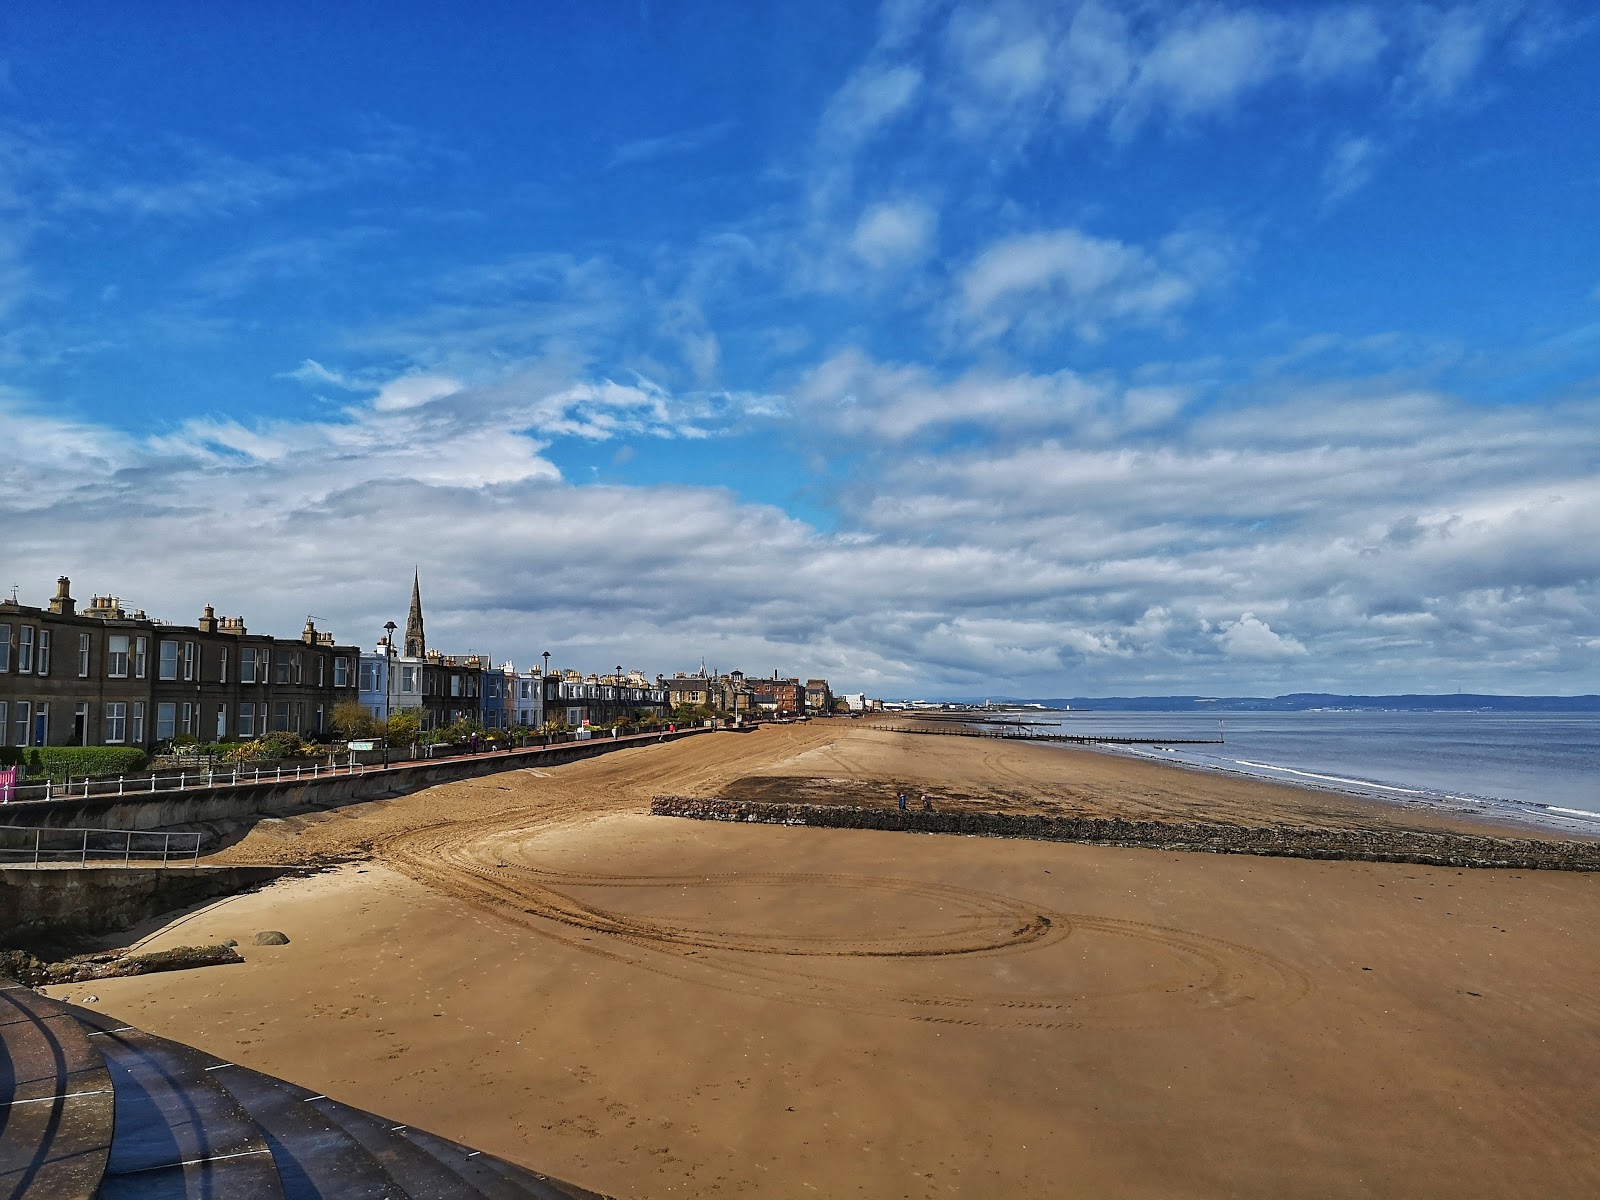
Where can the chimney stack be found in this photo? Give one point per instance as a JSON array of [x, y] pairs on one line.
[[208, 620], [63, 604]]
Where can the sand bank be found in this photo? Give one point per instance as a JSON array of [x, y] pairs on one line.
[[654, 1007]]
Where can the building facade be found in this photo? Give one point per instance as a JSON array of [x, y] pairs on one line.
[[108, 676]]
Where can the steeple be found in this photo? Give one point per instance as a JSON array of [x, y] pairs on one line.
[[416, 643]]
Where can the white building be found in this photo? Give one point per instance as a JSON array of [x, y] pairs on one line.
[[390, 683]]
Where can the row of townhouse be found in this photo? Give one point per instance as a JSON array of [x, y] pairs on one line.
[[110, 676], [752, 696], [443, 689]]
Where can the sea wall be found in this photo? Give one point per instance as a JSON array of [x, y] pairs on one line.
[[1367, 845], [192, 806], [38, 901]]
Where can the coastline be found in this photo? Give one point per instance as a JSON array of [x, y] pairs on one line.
[[1525, 817], [654, 1007]]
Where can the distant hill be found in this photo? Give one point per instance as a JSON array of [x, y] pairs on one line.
[[1303, 701]]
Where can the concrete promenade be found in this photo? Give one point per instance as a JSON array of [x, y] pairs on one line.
[[229, 800]]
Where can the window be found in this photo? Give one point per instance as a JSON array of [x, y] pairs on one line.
[[455, 685], [116, 723], [282, 675], [44, 652], [2, 722], [141, 647], [137, 732], [24, 649], [263, 665], [408, 680], [20, 708], [117, 656], [166, 716], [322, 667], [189, 716], [222, 674], [280, 715], [317, 728], [369, 676], [298, 678], [341, 671], [83, 656], [247, 720], [188, 660], [5, 657], [247, 664], [169, 665], [222, 721]]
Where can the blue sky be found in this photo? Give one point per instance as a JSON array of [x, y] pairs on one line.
[[936, 348]]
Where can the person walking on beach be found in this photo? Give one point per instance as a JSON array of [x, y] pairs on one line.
[[927, 802], [902, 802]]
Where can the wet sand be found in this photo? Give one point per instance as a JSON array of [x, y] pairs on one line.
[[655, 1007]]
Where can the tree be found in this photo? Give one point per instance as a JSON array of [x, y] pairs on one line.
[[352, 720], [402, 728]]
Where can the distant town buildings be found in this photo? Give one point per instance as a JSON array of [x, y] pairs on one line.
[[108, 675]]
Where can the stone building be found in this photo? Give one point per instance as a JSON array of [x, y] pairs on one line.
[[110, 676], [819, 697]]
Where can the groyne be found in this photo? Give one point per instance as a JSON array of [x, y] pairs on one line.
[[1275, 841]]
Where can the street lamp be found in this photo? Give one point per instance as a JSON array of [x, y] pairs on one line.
[[545, 698], [388, 683]]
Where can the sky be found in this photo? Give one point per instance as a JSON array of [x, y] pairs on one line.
[[938, 349]]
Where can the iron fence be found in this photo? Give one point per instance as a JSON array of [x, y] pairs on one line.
[[41, 844]]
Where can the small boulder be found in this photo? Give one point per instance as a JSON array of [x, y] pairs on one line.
[[270, 937]]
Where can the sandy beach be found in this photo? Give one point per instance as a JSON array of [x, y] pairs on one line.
[[652, 1007]]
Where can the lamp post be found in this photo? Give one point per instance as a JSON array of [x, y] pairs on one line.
[[544, 698], [388, 684]]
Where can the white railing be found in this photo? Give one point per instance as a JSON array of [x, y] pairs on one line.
[[236, 775], [146, 785], [41, 844]]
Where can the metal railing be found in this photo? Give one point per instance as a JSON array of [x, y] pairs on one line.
[[173, 781], [41, 844], [235, 775]]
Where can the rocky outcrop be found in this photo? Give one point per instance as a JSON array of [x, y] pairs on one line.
[[1280, 841]]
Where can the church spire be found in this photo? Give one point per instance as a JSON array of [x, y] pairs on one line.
[[416, 643]]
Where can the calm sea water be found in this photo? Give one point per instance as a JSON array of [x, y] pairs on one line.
[[1542, 766]]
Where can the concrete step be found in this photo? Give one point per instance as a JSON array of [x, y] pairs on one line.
[[495, 1177], [418, 1172], [316, 1158], [99, 1109], [178, 1133], [56, 1106]]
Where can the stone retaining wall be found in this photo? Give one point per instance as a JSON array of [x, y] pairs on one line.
[[54, 900], [1368, 845]]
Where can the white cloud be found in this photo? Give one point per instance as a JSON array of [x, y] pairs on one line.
[[1251, 637], [893, 234], [672, 145], [413, 391], [1036, 282], [872, 98], [1350, 167]]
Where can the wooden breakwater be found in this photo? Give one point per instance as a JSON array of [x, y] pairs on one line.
[[1081, 739], [1424, 847]]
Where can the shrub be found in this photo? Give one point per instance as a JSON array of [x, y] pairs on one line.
[[59, 762], [402, 728]]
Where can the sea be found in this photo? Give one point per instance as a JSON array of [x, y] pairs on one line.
[[1541, 768]]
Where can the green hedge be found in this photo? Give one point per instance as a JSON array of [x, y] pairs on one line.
[[58, 762]]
